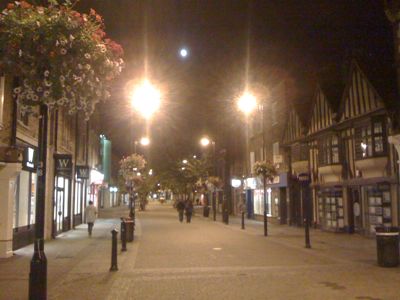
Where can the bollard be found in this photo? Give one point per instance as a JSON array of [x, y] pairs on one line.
[[307, 233], [242, 219], [123, 234], [114, 264]]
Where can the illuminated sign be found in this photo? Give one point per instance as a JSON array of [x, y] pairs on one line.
[[236, 183], [82, 172], [29, 159], [63, 165], [250, 183]]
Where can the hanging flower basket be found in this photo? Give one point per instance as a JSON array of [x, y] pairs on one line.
[[62, 57], [130, 166], [266, 169]]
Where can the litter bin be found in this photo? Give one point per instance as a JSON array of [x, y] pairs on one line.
[[387, 243], [130, 227], [206, 211]]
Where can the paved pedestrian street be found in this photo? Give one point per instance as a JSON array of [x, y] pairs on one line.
[[204, 260]]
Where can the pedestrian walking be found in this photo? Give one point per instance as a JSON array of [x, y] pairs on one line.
[[189, 210], [180, 207], [91, 215]]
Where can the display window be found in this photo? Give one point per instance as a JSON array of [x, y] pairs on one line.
[[25, 200], [330, 208], [379, 211], [259, 202]]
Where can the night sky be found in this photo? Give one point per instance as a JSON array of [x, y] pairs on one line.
[[293, 37]]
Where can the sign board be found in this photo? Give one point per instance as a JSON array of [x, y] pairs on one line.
[[278, 159], [236, 183], [304, 178], [63, 165], [82, 172], [29, 159]]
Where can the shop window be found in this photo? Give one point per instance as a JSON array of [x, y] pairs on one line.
[[330, 208], [379, 206], [328, 150], [25, 200], [371, 139]]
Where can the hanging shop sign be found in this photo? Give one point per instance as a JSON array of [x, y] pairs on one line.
[[82, 172], [304, 178], [63, 164], [29, 159]]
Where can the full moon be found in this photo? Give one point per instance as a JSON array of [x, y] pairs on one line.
[[183, 52]]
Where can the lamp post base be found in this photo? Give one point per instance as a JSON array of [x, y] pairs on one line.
[[38, 272]]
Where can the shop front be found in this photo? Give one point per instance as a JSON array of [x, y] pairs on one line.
[[25, 200], [62, 193], [331, 208], [81, 177]]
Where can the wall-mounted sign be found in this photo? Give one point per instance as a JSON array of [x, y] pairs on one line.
[[250, 183], [29, 159], [304, 178], [236, 183], [63, 165], [82, 172]]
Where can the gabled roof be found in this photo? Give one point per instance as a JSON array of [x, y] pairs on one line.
[[359, 96], [294, 129]]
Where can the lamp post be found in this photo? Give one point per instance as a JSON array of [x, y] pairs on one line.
[[247, 103], [146, 100], [205, 142]]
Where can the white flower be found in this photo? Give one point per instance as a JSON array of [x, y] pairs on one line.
[[17, 90], [20, 52], [46, 94], [62, 78], [46, 73], [63, 51], [87, 66], [35, 98], [39, 89], [57, 43], [71, 37], [47, 83], [87, 56]]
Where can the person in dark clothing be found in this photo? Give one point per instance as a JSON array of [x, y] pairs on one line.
[[180, 207], [189, 210]]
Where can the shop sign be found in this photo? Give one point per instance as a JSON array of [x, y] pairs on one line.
[[236, 183], [63, 165], [304, 178], [82, 172], [29, 159], [250, 183]]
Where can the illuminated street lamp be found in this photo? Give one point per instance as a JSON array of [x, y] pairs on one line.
[[146, 99], [205, 141], [144, 141], [247, 103], [185, 161]]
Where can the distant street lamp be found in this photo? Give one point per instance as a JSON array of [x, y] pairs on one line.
[[144, 141], [185, 161], [146, 99], [247, 103]]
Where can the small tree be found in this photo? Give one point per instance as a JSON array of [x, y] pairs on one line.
[[267, 170]]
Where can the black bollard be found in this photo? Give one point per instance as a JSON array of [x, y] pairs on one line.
[[307, 232], [123, 235], [114, 263], [242, 219]]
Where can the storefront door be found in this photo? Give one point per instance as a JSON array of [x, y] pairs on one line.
[[355, 210], [61, 205]]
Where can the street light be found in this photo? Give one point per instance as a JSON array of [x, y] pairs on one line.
[[146, 99], [247, 103], [185, 161], [144, 141]]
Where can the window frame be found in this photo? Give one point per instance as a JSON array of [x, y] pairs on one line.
[[325, 149], [372, 136]]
